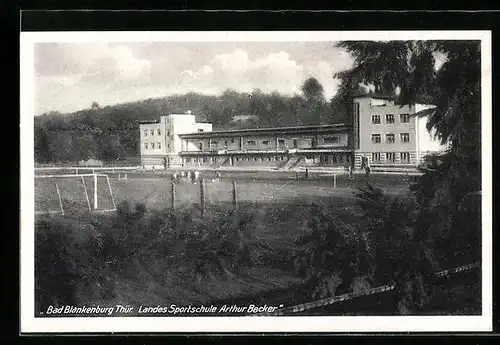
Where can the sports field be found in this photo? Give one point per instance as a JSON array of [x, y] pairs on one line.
[[154, 189]]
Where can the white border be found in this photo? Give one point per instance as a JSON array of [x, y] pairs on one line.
[[344, 324]]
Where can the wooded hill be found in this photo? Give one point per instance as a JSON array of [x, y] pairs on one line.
[[111, 133]]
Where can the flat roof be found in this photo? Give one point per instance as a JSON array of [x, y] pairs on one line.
[[377, 96], [296, 129]]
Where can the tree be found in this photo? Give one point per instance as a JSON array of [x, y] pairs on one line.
[[407, 239], [95, 105], [341, 104], [314, 107], [409, 66], [312, 90]]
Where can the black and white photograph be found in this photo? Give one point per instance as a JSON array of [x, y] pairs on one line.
[[256, 181]]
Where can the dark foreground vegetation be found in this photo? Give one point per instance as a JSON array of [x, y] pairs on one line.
[[141, 256]]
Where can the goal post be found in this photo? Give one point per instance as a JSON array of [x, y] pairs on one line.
[[74, 193]]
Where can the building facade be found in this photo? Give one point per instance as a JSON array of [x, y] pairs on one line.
[[284, 147], [160, 141], [382, 134], [388, 134]]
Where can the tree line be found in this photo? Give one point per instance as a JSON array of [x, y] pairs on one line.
[[111, 133]]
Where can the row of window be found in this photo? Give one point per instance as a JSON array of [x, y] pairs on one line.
[[389, 118], [238, 159], [327, 140], [323, 159], [151, 132], [153, 146], [391, 157], [391, 138]]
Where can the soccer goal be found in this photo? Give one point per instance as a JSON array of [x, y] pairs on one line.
[[73, 193]]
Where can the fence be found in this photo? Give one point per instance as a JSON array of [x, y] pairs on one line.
[[328, 302]]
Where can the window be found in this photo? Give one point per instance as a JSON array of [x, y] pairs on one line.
[[376, 157], [188, 160], [200, 146], [390, 138], [152, 145], [265, 142], [146, 146], [375, 119], [232, 141], [214, 143], [205, 159], [405, 137], [225, 143], [281, 141], [255, 159], [404, 118], [158, 145], [375, 138], [331, 140], [145, 132], [295, 142], [200, 130], [159, 131], [168, 133], [152, 132], [251, 142], [390, 157], [389, 118], [405, 157]]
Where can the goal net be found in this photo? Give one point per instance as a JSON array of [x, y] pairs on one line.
[[73, 193]]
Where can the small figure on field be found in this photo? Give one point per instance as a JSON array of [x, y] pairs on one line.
[[196, 176], [349, 169], [367, 171]]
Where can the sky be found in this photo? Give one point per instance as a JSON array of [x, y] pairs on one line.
[[71, 76]]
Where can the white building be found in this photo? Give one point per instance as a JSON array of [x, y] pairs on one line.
[[160, 142]]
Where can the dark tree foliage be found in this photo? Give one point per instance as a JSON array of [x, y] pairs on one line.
[[438, 225]]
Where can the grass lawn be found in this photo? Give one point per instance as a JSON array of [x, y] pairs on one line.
[[154, 189]]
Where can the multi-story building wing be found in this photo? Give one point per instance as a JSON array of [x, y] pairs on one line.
[[386, 133]]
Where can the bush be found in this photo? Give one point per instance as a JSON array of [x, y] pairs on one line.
[[69, 266], [78, 261], [331, 255]]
